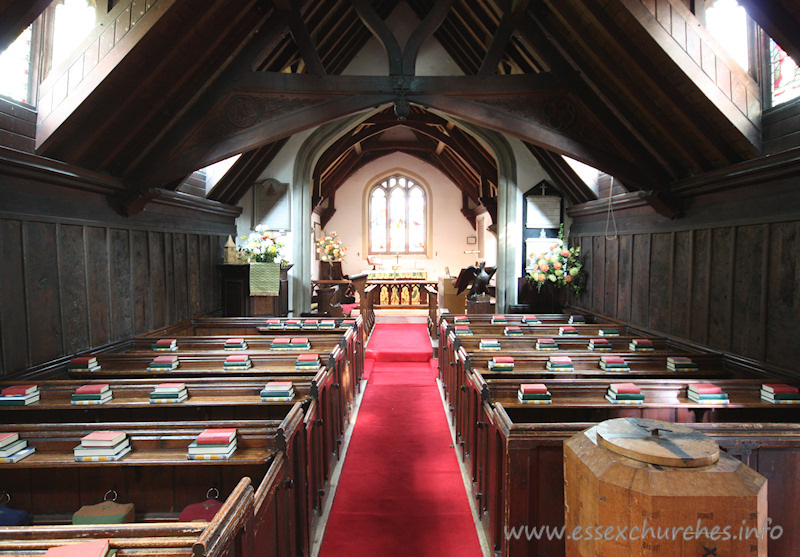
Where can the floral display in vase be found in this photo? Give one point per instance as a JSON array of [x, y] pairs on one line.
[[261, 246], [560, 266]]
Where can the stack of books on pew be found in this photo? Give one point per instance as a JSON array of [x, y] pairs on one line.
[[534, 393], [561, 363], [513, 331], [310, 324], [274, 324], [568, 330], [530, 320], [706, 393], [299, 343], [641, 345], [600, 345], [163, 363], [277, 391], [98, 393], [624, 393], [608, 332], [103, 446], [235, 344], [489, 344], [12, 448], [682, 363], [346, 323], [463, 330], [165, 345], [237, 362], [281, 343], [94, 548], [501, 363], [292, 324], [83, 363], [169, 393], [574, 319], [615, 363], [19, 395], [499, 320], [780, 393], [213, 444], [546, 344], [327, 324], [461, 320], [307, 361]]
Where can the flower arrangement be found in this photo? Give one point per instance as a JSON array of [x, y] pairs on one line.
[[261, 246], [330, 248], [560, 265]]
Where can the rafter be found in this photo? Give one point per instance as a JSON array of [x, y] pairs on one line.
[[302, 37], [501, 38]]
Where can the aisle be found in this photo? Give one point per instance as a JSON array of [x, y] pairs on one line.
[[400, 492]]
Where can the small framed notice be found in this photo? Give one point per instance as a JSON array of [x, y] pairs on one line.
[[271, 205]]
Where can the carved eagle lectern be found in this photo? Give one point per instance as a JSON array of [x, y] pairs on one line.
[[478, 277]]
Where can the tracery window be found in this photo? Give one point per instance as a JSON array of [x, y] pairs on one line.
[[397, 216]]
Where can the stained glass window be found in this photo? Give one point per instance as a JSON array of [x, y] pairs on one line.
[[785, 75], [397, 216]]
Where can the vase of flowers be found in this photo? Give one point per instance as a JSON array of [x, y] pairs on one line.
[[261, 247], [331, 252], [558, 267]]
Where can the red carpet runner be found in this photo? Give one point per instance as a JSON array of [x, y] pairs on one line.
[[399, 343], [400, 492]]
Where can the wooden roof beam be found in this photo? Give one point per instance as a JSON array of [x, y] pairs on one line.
[[501, 38], [781, 25], [302, 37]]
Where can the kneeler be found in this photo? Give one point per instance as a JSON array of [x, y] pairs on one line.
[[12, 517], [204, 511], [107, 512]]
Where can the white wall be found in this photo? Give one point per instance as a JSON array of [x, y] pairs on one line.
[[450, 228]]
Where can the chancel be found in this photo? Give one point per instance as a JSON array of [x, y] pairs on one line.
[[226, 305]]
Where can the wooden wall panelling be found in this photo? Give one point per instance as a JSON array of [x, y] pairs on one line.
[[660, 281], [624, 276], [121, 287], [13, 327], [700, 286], [640, 281], [682, 303], [750, 265], [586, 257], [42, 291], [74, 302], [598, 273], [783, 303], [216, 247], [206, 270], [142, 301], [98, 285], [169, 278], [193, 273], [610, 282], [158, 288], [179, 268], [723, 245]]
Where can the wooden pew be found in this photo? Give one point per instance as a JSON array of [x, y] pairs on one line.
[[51, 485], [225, 535], [533, 457]]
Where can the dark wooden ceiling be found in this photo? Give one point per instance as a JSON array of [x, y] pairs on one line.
[[634, 88]]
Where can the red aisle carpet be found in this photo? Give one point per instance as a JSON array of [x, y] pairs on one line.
[[400, 492], [399, 343]]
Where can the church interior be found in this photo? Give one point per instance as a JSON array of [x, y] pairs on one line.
[[406, 278]]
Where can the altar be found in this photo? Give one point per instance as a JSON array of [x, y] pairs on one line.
[[400, 288]]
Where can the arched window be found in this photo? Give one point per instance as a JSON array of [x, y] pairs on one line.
[[397, 216]]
